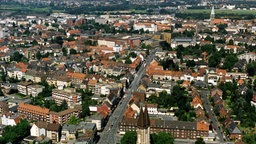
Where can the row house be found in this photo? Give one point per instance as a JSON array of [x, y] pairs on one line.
[[63, 116], [77, 78], [69, 95], [34, 112], [59, 81], [16, 73], [116, 44]]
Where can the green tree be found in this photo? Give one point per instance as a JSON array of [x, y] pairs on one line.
[[199, 141], [133, 54], [72, 51], [73, 120], [128, 61], [64, 51], [38, 55], [161, 138], [214, 60], [251, 69], [1, 92], [16, 57], [229, 62], [130, 137]]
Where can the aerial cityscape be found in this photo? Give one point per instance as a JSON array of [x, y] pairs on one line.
[[127, 72]]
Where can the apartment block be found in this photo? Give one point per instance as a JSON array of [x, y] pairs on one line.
[[63, 116], [69, 95], [34, 112], [34, 90], [22, 87]]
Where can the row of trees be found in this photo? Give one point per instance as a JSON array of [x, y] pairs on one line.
[[130, 137]]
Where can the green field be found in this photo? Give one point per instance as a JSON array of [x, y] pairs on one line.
[[217, 11]]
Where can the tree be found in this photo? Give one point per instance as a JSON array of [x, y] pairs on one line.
[[128, 60], [251, 69], [73, 120], [190, 63], [38, 55], [229, 62], [161, 138], [214, 60], [130, 137], [17, 57], [133, 54], [63, 106], [72, 51], [199, 141], [64, 51]]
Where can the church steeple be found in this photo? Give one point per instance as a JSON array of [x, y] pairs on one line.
[[143, 120], [143, 127]]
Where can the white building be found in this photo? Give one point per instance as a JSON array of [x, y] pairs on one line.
[[151, 27], [248, 56], [11, 120], [34, 90]]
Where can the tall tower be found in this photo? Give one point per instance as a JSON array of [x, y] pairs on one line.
[[143, 127], [212, 16]]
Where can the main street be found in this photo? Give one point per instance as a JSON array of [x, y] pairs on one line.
[[207, 105], [108, 136]]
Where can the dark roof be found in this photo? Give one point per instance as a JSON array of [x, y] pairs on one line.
[[233, 129], [143, 120], [48, 126]]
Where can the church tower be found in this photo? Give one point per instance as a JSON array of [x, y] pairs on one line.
[[212, 16], [143, 127]]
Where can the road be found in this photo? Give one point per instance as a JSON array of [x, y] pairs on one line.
[[108, 136], [207, 105]]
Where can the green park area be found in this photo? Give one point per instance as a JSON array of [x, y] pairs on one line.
[[205, 13]]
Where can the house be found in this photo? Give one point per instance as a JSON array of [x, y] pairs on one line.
[[82, 133], [197, 102], [98, 119], [9, 119], [233, 131], [216, 91], [50, 130]]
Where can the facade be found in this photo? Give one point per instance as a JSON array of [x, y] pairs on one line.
[[178, 129], [68, 94], [50, 130], [63, 116], [34, 112], [23, 87], [11, 120], [34, 90]]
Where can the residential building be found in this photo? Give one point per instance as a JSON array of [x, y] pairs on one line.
[[23, 87], [4, 108], [34, 90], [68, 94], [63, 116], [50, 130], [34, 112], [9, 119]]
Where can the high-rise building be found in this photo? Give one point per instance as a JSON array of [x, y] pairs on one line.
[[143, 127]]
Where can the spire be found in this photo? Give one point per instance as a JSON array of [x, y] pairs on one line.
[[143, 120], [212, 16]]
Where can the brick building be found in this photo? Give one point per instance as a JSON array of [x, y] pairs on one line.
[[34, 112]]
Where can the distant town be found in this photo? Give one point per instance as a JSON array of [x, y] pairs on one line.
[[179, 73]]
